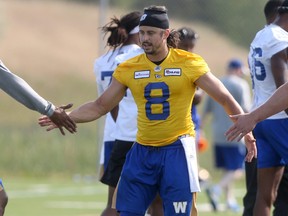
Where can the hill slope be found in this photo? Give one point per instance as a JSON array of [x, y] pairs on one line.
[[53, 44]]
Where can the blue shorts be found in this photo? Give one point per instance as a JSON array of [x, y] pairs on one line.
[[272, 142], [229, 157], [149, 170]]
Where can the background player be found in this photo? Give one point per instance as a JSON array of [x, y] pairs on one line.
[[123, 38], [18, 89], [268, 64]]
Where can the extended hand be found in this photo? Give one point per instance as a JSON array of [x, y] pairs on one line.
[[243, 124], [59, 119], [250, 143]]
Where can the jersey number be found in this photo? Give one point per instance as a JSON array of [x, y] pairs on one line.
[[258, 69], [107, 74], [152, 100]]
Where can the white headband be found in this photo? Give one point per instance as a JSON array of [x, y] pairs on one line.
[[134, 30]]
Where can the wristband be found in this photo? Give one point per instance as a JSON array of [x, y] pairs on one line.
[[49, 110]]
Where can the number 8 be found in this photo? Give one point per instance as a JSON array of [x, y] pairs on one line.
[[157, 100]]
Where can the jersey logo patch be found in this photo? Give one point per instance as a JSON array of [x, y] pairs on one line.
[[180, 207], [141, 74], [172, 72]]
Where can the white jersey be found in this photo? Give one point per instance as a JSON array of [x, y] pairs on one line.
[[104, 67], [266, 43], [126, 124]]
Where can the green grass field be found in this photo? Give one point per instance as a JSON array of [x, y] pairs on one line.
[[76, 196]]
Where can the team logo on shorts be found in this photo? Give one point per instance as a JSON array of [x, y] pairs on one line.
[[172, 72], [180, 207], [142, 74]]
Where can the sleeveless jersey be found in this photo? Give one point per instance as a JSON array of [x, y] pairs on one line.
[[266, 43], [163, 94]]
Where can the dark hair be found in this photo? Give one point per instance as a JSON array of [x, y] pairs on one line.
[[187, 33], [119, 28], [159, 8], [173, 39], [283, 8], [271, 8]]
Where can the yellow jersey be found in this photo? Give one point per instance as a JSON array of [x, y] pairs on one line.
[[163, 94]]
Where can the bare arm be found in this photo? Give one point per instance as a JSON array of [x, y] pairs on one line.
[[95, 109], [279, 68], [247, 122], [276, 103], [215, 89]]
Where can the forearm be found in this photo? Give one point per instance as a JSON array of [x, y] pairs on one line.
[[106, 102], [232, 107], [217, 91], [276, 103], [88, 112], [17, 88]]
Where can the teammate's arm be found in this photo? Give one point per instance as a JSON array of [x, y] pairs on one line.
[[247, 122], [21, 91], [279, 68]]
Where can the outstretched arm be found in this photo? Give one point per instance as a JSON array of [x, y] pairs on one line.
[[276, 103], [21, 91], [247, 122], [215, 89], [93, 110]]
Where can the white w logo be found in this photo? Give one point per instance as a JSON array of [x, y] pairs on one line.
[[180, 207]]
